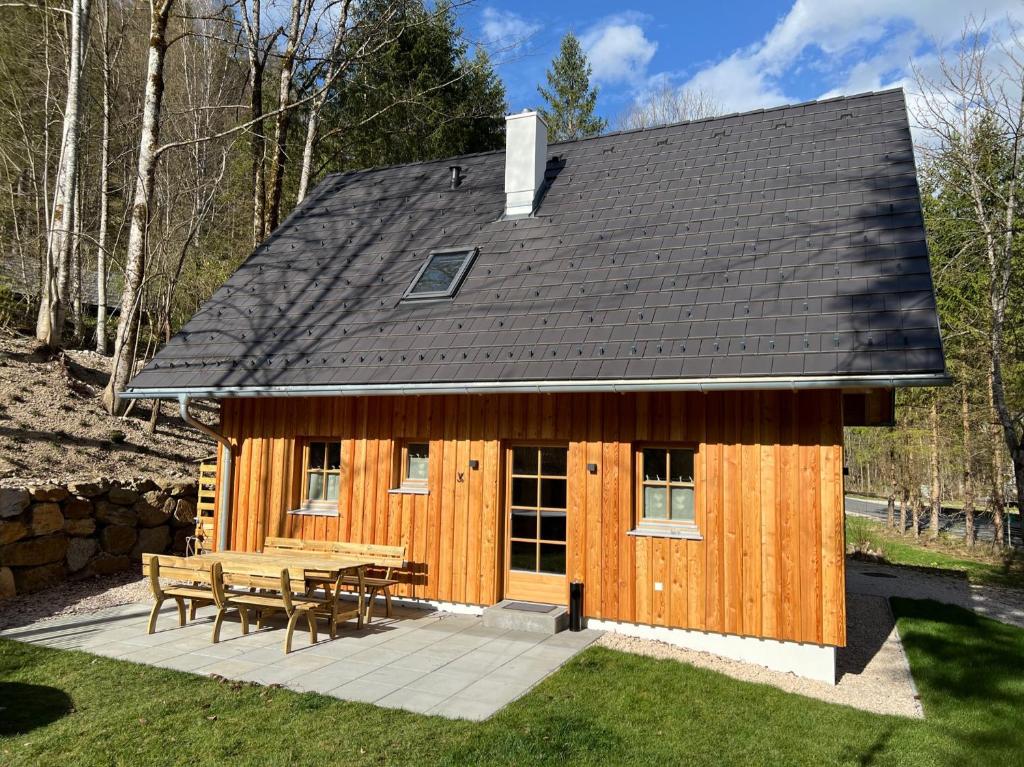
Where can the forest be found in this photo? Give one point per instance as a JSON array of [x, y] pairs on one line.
[[146, 148]]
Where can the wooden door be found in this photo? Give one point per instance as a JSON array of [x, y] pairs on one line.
[[536, 527]]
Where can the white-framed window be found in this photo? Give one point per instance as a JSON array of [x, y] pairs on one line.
[[321, 475], [666, 491], [412, 466]]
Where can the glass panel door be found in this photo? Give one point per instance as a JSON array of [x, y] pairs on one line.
[[537, 510]]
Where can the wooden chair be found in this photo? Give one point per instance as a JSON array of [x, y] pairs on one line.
[[205, 582], [386, 559], [276, 593]]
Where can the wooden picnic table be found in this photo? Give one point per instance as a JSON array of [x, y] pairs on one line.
[[249, 568], [316, 561]]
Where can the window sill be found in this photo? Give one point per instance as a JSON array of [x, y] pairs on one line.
[[680, 531], [407, 490], [314, 512]]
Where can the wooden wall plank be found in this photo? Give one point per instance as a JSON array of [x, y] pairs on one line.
[[492, 523], [714, 452], [789, 519], [732, 517], [810, 519], [771, 600], [474, 503], [750, 513], [576, 501], [833, 540], [594, 506], [624, 513], [768, 500], [679, 430], [447, 511], [696, 590], [608, 469]]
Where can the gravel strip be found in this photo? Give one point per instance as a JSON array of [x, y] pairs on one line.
[[74, 598], [1000, 604], [873, 671]]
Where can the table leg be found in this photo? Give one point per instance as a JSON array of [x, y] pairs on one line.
[[362, 592]]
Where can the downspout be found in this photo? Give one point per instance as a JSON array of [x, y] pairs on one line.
[[224, 505]]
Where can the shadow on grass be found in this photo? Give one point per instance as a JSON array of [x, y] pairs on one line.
[[873, 754], [968, 669], [24, 707]]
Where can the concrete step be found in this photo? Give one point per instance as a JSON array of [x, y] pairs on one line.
[[513, 615]]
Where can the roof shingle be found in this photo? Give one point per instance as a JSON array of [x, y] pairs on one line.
[[784, 242]]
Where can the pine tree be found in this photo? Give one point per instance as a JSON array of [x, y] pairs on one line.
[[421, 97], [571, 99]]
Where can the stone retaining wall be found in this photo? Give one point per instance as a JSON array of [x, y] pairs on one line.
[[49, 533]]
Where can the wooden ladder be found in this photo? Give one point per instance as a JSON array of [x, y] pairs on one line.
[[206, 509]]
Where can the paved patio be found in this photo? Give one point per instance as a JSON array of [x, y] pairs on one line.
[[428, 662]]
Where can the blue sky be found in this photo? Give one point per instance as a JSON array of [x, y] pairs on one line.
[[747, 55]]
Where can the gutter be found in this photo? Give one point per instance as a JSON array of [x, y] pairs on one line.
[[705, 385], [224, 504]]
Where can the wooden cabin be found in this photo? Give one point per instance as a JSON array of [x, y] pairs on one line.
[[625, 361]]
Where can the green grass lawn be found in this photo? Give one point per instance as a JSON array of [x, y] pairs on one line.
[[603, 708], [983, 565]]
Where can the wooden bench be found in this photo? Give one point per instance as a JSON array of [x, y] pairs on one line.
[[203, 582], [386, 559], [275, 592]]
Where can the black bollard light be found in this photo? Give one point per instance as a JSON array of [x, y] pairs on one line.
[[576, 606]]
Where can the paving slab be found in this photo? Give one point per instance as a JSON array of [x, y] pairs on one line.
[[435, 663]]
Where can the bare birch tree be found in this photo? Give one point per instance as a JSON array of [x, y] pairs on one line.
[[135, 261], [50, 320], [109, 50], [258, 49], [333, 66], [968, 460], [299, 18], [984, 84], [666, 104]]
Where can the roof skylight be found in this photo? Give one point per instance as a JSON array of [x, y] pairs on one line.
[[441, 274]]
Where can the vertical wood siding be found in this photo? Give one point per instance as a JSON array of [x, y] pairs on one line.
[[768, 502]]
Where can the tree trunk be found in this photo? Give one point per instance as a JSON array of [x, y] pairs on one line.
[[998, 522], [313, 121], [257, 141], [904, 499], [968, 476], [936, 490], [75, 290], [101, 239], [53, 296], [1018, 474], [154, 416], [312, 126], [284, 97], [135, 258], [998, 446], [915, 514], [891, 480]]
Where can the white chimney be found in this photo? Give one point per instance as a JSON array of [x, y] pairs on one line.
[[526, 149]]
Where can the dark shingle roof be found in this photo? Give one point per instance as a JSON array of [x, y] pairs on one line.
[[784, 242]]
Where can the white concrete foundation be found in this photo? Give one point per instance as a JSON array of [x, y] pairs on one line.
[[430, 604], [811, 661]]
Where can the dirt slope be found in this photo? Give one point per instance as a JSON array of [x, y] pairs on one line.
[[53, 426]]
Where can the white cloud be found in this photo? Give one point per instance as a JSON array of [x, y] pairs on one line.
[[864, 45], [618, 49], [506, 29], [739, 83]]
